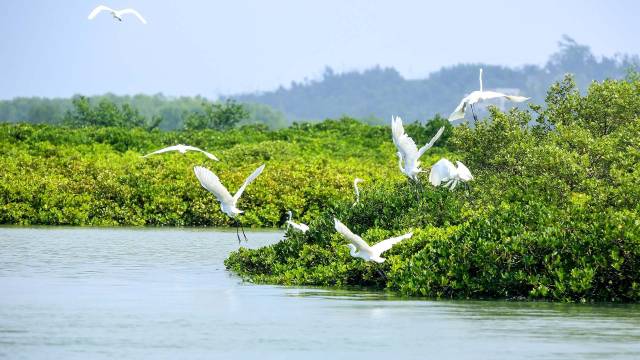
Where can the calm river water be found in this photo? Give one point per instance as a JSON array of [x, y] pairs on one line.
[[87, 293]]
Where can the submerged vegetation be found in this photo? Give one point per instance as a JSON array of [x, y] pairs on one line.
[[553, 212]]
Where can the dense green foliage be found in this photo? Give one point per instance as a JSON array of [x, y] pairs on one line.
[[218, 116], [106, 113], [553, 212], [95, 175]]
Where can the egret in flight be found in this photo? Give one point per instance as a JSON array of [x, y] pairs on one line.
[[117, 14], [480, 95], [356, 190], [444, 171], [212, 183], [359, 248], [298, 226], [408, 152], [183, 150]]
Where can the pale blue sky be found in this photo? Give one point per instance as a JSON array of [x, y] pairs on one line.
[[49, 48]]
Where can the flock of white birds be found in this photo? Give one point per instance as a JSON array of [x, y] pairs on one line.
[[443, 172]]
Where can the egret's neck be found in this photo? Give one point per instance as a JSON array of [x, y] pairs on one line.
[[480, 80], [290, 215], [353, 251]]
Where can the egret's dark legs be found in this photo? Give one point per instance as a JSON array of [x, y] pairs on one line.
[[414, 183], [237, 231], [382, 274], [475, 118], [243, 234]]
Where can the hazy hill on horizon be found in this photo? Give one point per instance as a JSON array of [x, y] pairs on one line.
[[383, 92], [371, 95]]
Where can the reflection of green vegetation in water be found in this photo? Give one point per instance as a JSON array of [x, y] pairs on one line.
[[95, 176], [553, 212]]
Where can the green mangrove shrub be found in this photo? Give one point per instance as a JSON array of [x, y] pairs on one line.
[[553, 212], [96, 176]]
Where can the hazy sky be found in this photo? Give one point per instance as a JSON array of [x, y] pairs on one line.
[[49, 48]]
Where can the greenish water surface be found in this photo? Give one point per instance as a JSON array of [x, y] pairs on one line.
[[94, 293]]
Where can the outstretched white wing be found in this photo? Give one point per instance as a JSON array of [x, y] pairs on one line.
[[133, 12], [97, 10], [516, 98], [248, 181], [463, 172], [441, 171], [433, 140], [169, 148], [356, 240], [406, 146], [385, 245], [209, 155], [212, 183], [488, 95], [458, 113]]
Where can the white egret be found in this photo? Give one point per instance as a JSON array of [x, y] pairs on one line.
[[212, 183], [356, 190], [408, 152], [183, 150], [298, 226], [480, 95], [117, 14], [445, 171], [359, 248]]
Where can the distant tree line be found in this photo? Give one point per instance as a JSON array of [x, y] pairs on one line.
[[371, 96], [378, 93], [146, 111]]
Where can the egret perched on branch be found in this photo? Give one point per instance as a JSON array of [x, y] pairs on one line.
[[356, 190], [211, 182], [183, 150], [407, 150], [480, 95], [117, 14], [298, 226], [359, 248], [445, 171]]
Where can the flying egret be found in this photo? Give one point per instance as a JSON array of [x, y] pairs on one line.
[[298, 226], [183, 150], [359, 248], [407, 149], [117, 14], [445, 171], [212, 183], [480, 95], [356, 190]]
